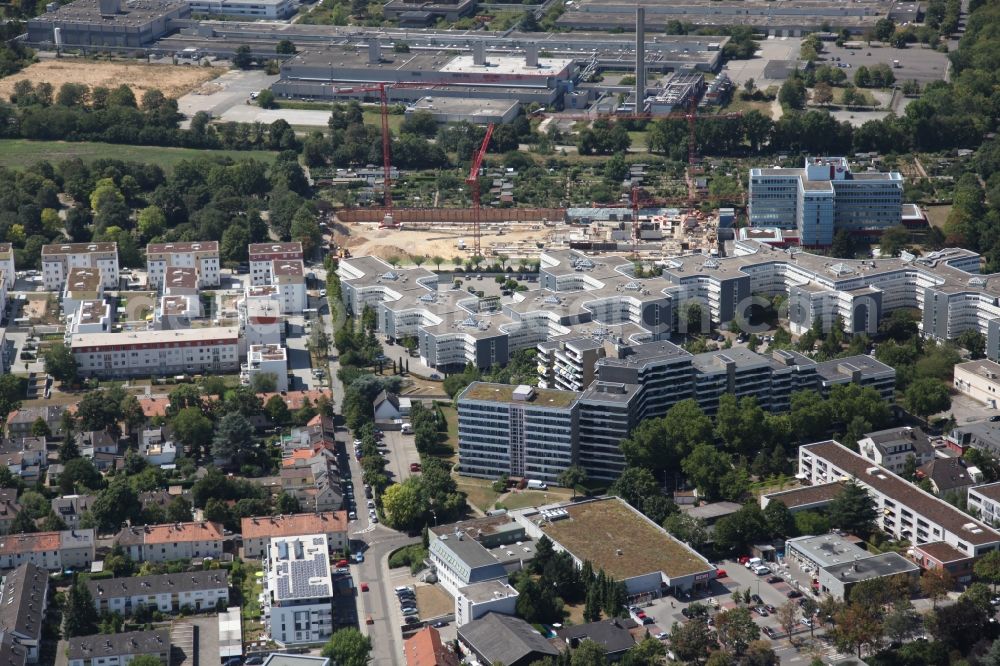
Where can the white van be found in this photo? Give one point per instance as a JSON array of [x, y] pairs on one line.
[[535, 484]]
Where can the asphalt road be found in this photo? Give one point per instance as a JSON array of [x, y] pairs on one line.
[[377, 542]]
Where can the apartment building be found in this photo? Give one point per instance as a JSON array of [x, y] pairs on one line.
[[288, 279], [202, 256], [263, 255], [517, 430], [214, 350], [175, 541], [192, 591], [312, 478], [298, 590], [258, 531], [26, 457], [82, 284], [261, 322], [20, 421], [59, 259], [119, 649], [893, 447], [23, 600], [53, 551], [980, 380], [824, 197], [268, 360], [156, 448], [986, 500], [940, 533], [90, 316], [568, 363]]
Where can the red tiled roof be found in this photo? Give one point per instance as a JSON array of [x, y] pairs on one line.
[[295, 524], [425, 648]]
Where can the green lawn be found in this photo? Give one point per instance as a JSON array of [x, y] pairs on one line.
[[19, 153]]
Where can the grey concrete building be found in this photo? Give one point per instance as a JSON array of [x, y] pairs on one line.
[[107, 22]]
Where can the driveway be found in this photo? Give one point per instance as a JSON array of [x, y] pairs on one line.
[[218, 96]]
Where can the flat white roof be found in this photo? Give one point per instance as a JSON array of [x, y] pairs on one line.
[[231, 633], [497, 64], [149, 337]]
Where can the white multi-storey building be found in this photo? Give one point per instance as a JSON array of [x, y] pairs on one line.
[[288, 278], [82, 284], [168, 593], [202, 256], [213, 350], [254, 9], [986, 500], [91, 316], [59, 259], [268, 360], [7, 268], [516, 430], [824, 197], [893, 447], [263, 255], [299, 590], [941, 534]]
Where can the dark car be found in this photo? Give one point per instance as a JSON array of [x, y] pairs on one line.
[[994, 419], [770, 609], [769, 632], [774, 579], [757, 600], [793, 594]]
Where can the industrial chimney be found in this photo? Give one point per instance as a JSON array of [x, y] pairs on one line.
[[479, 54], [640, 59], [374, 52], [531, 55]]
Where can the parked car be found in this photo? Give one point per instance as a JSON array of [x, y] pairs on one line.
[[769, 632], [756, 599], [439, 624], [411, 619], [770, 609], [721, 573], [762, 570], [364, 587], [793, 594], [760, 611], [806, 622], [774, 579]]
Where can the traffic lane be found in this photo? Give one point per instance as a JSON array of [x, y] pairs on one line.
[[380, 600]]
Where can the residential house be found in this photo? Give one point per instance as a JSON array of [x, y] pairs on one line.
[[258, 531], [950, 475], [53, 551], [119, 649], [502, 639], [389, 406], [893, 447], [25, 456], [425, 648], [20, 421], [9, 508], [175, 541], [71, 508], [23, 601], [614, 635], [313, 481], [99, 447], [168, 593], [156, 448], [12, 653]]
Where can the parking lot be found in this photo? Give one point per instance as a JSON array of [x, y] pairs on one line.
[[915, 63]]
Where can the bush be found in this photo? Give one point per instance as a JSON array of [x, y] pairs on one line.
[[409, 556]]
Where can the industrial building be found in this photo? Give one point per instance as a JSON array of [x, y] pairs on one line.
[[825, 197], [346, 72], [838, 564], [787, 18], [473, 110], [135, 23], [676, 92], [621, 541], [422, 13], [251, 9], [980, 380]]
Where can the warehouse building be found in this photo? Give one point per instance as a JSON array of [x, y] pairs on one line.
[[343, 73], [477, 111], [251, 9], [627, 545], [98, 23]]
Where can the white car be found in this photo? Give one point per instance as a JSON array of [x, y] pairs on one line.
[[762, 570]]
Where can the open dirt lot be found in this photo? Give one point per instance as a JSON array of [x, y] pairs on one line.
[[367, 239], [172, 81]]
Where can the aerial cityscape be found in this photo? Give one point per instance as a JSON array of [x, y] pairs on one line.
[[469, 332]]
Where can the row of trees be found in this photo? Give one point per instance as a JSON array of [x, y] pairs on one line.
[[78, 113]]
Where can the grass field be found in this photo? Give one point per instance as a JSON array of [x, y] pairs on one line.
[[18, 153], [938, 215]]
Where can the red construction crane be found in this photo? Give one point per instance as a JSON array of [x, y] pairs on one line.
[[473, 181]]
